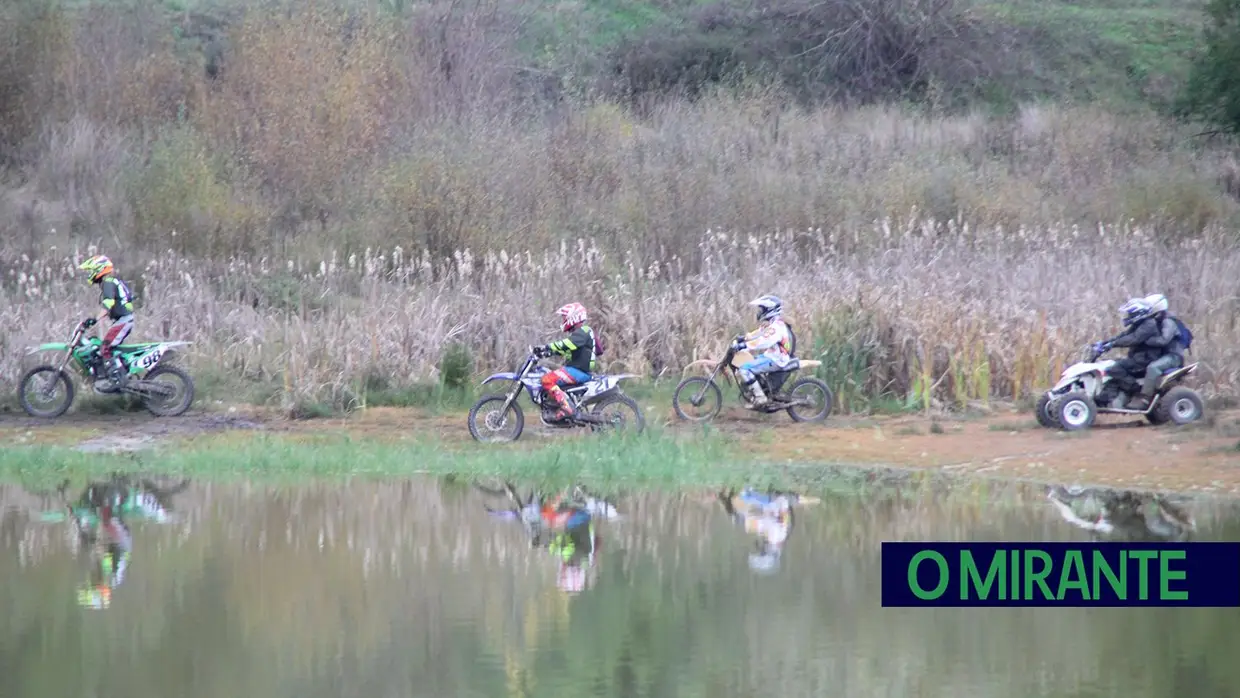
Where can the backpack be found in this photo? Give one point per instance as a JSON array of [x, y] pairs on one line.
[[1186, 335], [792, 340]]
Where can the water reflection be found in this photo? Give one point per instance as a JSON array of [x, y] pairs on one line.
[[1117, 515], [768, 517], [414, 589], [563, 524], [101, 516]]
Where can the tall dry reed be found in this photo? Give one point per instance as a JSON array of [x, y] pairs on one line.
[[927, 314]]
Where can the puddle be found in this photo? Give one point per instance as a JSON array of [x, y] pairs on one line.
[[436, 588]]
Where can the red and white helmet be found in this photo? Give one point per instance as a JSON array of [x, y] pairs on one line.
[[571, 315]]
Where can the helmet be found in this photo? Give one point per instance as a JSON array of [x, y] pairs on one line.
[[769, 307], [96, 268], [1157, 302], [571, 315], [1135, 310]]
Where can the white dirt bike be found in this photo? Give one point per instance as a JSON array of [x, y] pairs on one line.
[[1078, 398]]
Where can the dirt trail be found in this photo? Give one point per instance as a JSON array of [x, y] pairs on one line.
[[1119, 452]]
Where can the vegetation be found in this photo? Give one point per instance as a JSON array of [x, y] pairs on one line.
[[1214, 87], [349, 203]]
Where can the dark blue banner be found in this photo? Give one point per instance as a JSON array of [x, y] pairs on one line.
[[1061, 574]]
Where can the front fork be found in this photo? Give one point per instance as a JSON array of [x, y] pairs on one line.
[[512, 396]]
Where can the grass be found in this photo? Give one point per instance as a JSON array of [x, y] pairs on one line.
[[654, 459]]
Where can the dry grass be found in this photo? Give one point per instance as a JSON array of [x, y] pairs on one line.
[[973, 313], [348, 193]]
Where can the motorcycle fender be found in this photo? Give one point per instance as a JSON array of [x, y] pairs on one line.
[[51, 346], [1069, 380], [810, 363], [149, 359], [511, 376]]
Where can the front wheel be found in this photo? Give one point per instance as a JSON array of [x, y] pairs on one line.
[[1075, 411], [180, 387], [498, 425], [45, 392], [619, 412], [1180, 406], [1042, 411], [818, 396], [700, 395]]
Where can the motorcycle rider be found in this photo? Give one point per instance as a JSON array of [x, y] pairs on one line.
[[773, 339], [1168, 341], [1139, 328], [580, 350], [1150, 336], [117, 302]]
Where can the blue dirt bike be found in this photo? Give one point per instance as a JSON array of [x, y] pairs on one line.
[[598, 404]]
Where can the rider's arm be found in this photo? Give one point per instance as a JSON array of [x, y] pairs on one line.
[[1169, 332], [108, 298], [766, 338], [1141, 334], [569, 344]]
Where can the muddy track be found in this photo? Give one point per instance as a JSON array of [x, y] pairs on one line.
[[1119, 452]]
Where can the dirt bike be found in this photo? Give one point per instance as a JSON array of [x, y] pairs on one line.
[[1085, 390], [703, 391], [598, 403], [167, 391]]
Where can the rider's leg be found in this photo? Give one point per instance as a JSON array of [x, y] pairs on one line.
[[551, 383], [748, 374], [1123, 379], [1153, 376], [114, 337]]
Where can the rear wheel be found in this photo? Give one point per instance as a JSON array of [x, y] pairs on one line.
[[817, 396], [619, 412], [496, 425], [45, 392], [178, 385], [697, 399], [1180, 405]]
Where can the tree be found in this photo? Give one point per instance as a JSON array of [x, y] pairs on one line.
[[1213, 89]]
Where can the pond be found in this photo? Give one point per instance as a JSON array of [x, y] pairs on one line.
[[410, 589]]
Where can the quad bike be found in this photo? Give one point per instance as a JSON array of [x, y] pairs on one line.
[[598, 404], [806, 393], [1081, 394], [46, 391], [1119, 515]]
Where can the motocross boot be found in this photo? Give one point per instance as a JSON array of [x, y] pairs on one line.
[[116, 373], [757, 398]]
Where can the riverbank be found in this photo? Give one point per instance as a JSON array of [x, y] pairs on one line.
[[847, 452]]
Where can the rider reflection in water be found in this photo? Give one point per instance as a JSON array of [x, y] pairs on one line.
[[574, 542], [99, 516], [768, 516]]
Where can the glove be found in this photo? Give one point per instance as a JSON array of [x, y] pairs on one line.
[[738, 343], [540, 352], [89, 322], [1102, 347]]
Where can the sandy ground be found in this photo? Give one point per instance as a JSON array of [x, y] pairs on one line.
[[1118, 452]]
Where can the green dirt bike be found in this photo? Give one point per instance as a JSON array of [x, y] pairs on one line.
[[46, 391]]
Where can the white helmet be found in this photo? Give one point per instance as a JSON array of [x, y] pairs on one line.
[[1157, 303], [769, 307]]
